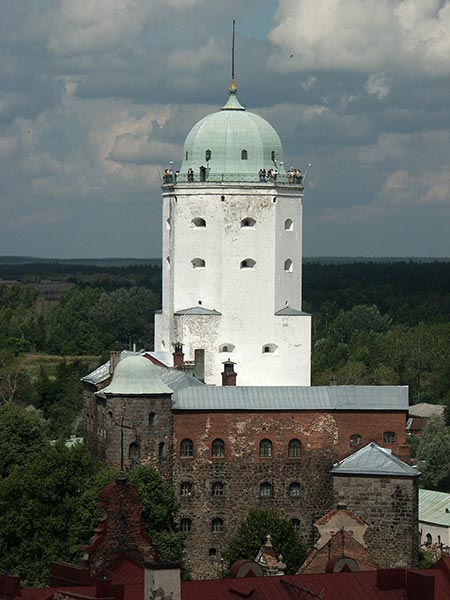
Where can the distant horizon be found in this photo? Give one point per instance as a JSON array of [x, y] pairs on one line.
[[8, 259]]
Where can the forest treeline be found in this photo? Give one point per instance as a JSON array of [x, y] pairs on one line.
[[373, 323]]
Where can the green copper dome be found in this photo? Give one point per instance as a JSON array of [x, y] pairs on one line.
[[136, 376], [232, 141]]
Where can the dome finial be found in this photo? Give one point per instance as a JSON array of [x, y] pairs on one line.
[[232, 87]]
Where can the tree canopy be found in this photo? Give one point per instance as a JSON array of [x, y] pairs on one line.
[[252, 534]]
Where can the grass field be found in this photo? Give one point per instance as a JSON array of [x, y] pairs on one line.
[[33, 362]]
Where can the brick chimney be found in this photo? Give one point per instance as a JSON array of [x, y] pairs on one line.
[[162, 580], [228, 374], [113, 361], [178, 355]]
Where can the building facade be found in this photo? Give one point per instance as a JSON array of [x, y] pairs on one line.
[[227, 449]]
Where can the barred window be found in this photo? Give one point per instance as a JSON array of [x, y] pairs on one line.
[[265, 490], [186, 489], [389, 437], [294, 489], [187, 448], [185, 525], [217, 525], [294, 448], [218, 448], [265, 448], [218, 488]]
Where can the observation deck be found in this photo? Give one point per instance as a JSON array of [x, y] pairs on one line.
[[285, 179]]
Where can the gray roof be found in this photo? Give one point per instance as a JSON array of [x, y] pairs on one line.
[[178, 380], [433, 506], [287, 311], [198, 310], [102, 373], [426, 410], [374, 460], [136, 376], [293, 398]]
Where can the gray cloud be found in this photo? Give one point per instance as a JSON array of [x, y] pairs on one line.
[[96, 97]]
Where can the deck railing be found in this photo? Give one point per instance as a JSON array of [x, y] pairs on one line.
[[280, 178]]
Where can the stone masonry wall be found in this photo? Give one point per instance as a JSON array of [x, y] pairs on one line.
[[390, 508], [324, 439]]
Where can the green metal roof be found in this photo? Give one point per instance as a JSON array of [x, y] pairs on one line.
[[136, 376], [357, 398], [225, 134], [374, 460], [433, 507]]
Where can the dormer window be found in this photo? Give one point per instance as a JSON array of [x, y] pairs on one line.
[[288, 265], [207, 154], [244, 155], [248, 263], [198, 263], [248, 222], [198, 222], [269, 348]]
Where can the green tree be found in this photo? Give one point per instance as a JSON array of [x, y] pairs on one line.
[[433, 455], [22, 436], [160, 508], [252, 534], [48, 509]]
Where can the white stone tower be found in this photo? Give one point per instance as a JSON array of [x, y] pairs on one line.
[[232, 254]]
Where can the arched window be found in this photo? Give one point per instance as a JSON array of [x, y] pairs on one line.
[[217, 525], [265, 489], [429, 539], [248, 263], [288, 265], [269, 348], [294, 489], [389, 437], [168, 262], [289, 225], [248, 222], [294, 448], [151, 419], [134, 451], [212, 552], [265, 448], [185, 489], [226, 348], [244, 155], [198, 222], [218, 448], [185, 525], [273, 155], [168, 223], [187, 155], [198, 263], [218, 488], [207, 154], [187, 448], [296, 524], [355, 440]]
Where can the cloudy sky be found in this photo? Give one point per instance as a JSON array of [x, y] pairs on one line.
[[97, 95]]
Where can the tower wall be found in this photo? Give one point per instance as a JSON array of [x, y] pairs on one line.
[[245, 222], [390, 506]]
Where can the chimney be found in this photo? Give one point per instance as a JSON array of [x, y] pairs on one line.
[[162, 580], [9, 586], [228, 373], [178, 355], [113, 361]]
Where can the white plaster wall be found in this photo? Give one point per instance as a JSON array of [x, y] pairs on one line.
[[246, 298], [435, 531]]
